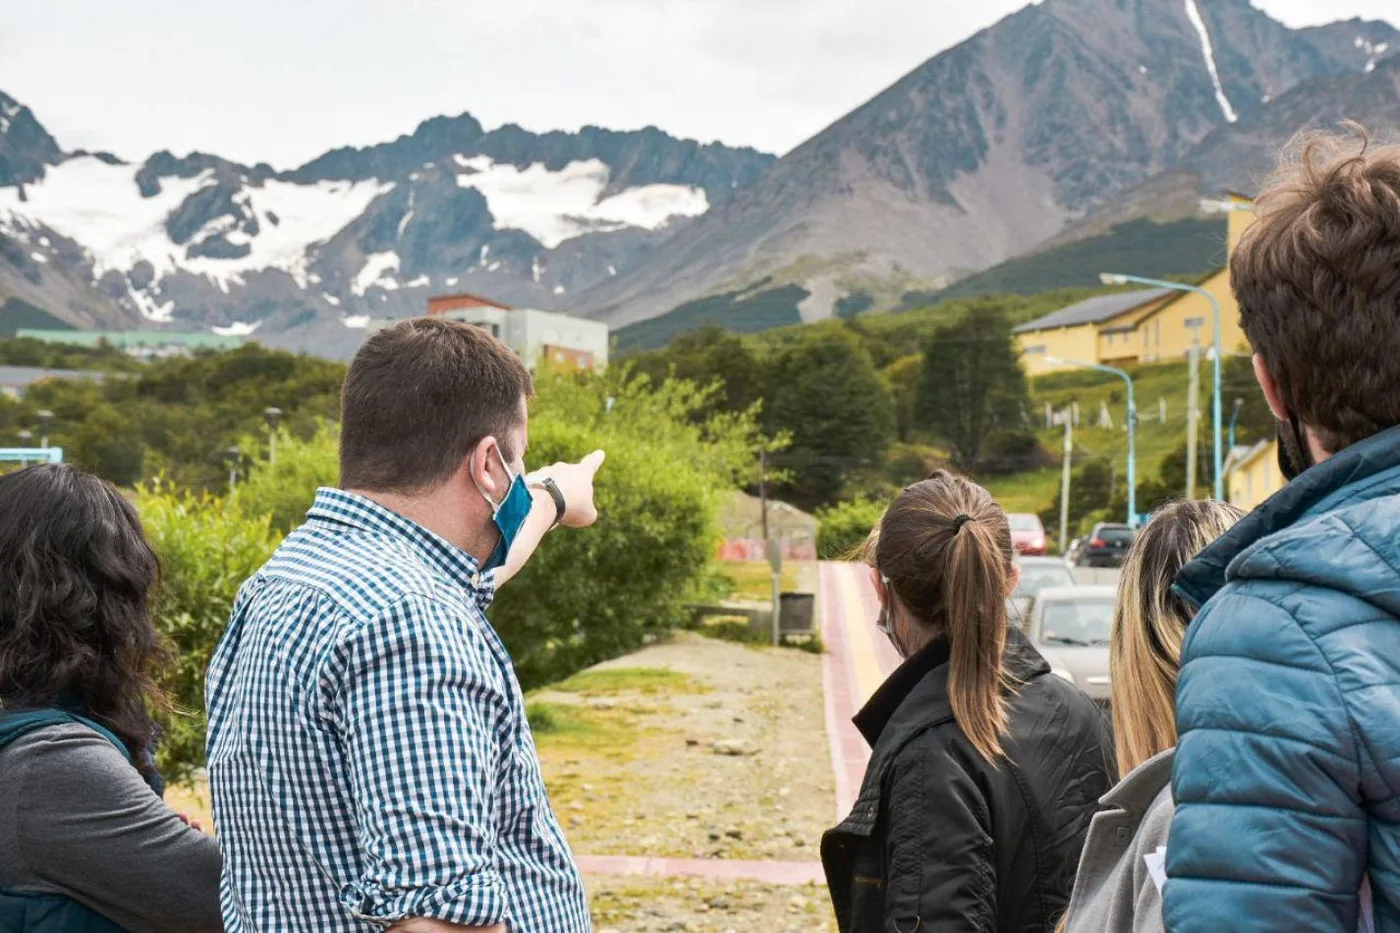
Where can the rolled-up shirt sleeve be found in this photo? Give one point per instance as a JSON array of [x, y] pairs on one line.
[[420, 712]]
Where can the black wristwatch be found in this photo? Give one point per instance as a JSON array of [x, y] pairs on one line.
[[551, 487]]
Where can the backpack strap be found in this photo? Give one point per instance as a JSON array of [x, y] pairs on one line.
[[17, 723]]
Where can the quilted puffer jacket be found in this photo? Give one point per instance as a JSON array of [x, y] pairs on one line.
[[1288, 706]]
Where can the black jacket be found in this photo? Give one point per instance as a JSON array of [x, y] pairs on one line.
[[941, 840]]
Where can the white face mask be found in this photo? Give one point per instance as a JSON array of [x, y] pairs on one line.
[[885, 622]]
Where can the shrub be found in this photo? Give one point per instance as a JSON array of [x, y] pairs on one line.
[[284, 490], [846, 525], [594, 593], [207, 550]]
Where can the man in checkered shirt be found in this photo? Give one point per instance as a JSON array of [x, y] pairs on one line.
[[369, 757]]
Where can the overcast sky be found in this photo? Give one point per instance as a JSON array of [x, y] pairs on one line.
[[283, 80]]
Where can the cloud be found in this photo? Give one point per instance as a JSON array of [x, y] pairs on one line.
[[264, 80]]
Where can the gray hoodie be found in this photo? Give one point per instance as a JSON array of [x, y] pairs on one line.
[[1114, 891]]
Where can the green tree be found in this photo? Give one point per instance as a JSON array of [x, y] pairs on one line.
[[845, 526], [972, 385], [106, 443], [903, 378], [710, 354], [829, 398]]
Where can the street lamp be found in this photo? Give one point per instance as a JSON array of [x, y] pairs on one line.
[[1132, 426], [45, 421], [232, 456], [1114, 278], [273, 417]]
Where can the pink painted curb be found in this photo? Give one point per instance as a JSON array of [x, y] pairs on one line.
[[715, 869]]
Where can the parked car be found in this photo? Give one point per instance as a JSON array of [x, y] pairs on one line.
[[1106, 546], [1070, 626], [1037, 573], [1027, 533]]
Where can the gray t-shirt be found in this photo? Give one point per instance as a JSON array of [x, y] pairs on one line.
[[77, 819]]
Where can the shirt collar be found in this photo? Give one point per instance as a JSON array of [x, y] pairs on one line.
[[341, 509]]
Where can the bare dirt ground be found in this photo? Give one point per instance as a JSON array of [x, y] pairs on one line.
[[693, 748], [689, 748]]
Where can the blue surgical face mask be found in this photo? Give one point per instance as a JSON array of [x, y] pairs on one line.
[[508, 515]]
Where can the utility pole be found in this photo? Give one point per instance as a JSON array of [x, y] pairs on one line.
[[763, 489], [1193, 414], [1064, 479]]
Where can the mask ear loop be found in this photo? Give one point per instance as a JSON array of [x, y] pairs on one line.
[[496, 506]]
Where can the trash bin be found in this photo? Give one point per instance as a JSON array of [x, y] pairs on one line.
[[795, 612]]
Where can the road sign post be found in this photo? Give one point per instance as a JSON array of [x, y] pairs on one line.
[[775, 560]]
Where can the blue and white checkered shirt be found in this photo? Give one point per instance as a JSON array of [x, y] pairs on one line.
[[369, 756]]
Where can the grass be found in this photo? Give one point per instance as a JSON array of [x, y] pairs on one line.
[[648, 681], [1034, 491], [754, 579]]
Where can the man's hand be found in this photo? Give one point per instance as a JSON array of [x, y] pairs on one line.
[[420, 925], [575, 481]]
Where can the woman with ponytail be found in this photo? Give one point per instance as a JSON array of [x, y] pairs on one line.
[[985, 767]]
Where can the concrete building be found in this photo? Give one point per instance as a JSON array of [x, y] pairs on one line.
[[1152, 326], [540, 337], [1254, 475]]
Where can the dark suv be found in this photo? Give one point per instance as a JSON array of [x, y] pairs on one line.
[[1106, 546]]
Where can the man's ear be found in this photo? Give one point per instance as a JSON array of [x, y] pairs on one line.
[[879, 585], [478, 468], [1272, 395], [1013, 579]]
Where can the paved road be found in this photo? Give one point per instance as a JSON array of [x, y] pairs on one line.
[[857, 660]]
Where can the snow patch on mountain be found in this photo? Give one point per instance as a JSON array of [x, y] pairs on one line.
[[556, 206], [375, 273], [1194, 15], [356, 321], [236, 329], [100, 206], [1373, 51]]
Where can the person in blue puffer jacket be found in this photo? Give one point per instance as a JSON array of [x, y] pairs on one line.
[[1287, 773]]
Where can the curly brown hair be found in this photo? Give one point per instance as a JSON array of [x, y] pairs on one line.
[[1317, 278], [76, 582]]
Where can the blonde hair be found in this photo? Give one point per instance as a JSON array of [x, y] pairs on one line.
[[945, 547], [1149, 623]]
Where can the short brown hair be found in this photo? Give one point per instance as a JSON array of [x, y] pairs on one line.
[[419, 396], [1317, 278], [945, 547]]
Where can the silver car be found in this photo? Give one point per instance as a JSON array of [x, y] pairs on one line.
[[1037, 573], [1070, 626]]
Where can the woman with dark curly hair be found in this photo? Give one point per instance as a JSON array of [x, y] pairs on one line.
[[86, 843]]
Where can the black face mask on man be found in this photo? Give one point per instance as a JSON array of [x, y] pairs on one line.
[[1294, 454]]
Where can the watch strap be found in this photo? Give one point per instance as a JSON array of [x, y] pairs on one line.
[[550, 486]]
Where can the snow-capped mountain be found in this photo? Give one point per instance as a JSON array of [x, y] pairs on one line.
[[990, 148], [203, 243]]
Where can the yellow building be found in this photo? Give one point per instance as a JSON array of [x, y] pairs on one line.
[[1149, 326], [1099, 330], [1254, 475]]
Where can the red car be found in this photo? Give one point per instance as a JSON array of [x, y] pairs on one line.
[[1027, 534]]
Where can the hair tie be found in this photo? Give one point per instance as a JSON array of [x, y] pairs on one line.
[[962, 519]]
